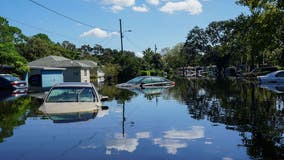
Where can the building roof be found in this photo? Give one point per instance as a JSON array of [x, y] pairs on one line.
[[62, 62], [47, 68]]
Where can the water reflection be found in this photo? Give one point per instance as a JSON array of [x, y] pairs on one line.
[[257, 114], [274, 87], [241, 106], [175, 139], [180, 126], [72, 117], [14, 113]]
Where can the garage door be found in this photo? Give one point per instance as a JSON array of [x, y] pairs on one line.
[[50, 78]]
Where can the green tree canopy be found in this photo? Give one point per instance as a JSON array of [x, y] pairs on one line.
[[9, 36]]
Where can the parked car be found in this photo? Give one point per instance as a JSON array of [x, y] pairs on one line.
[[147, 82], [273, 77], [7, 95], [72, 97], [8, 81]]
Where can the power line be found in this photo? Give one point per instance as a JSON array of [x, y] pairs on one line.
[[67, 17], [37, 28], [48, 31], [134, 44], [107, 42]]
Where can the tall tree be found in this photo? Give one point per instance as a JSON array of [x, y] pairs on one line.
[[9, 36], [196, 43]]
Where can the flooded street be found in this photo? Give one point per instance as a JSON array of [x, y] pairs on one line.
[[196, 119]]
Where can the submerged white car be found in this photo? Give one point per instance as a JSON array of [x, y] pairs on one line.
[[147, 82], [72, 97], [273, 77]]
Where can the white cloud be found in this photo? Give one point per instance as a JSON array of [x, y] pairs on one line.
[[118, 5], [173, 139], [99, 33], [195, 133], [153, 2], [170, 144], [128, 145], [122, 3], [192, 6], [143, 135], [116, 8], [142, 8]]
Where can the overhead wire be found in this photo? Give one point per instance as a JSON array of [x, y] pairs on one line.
[[48, 31], [133, 43], [37, 28], [107, 42], [67, 17]]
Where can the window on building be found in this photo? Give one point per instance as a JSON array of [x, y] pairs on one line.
[[85, 72]]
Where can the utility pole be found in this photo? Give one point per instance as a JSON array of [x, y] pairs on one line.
[[121, 36], [155, 48]]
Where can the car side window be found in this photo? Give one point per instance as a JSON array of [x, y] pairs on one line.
[[147, 80], [86, 95], [157, 79], [280, 74]]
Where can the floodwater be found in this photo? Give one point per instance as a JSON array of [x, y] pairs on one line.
[[196, 119]]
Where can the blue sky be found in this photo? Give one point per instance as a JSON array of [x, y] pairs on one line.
[[161, 22]]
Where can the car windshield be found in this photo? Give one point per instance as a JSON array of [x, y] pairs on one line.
[[135, 80], [11, 78], [71, 94]]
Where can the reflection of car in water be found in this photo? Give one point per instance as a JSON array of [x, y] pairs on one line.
[[274, 87], [72, 101], [273, 77], [72, 117], [6, 95], [146, 82], [148, 91]]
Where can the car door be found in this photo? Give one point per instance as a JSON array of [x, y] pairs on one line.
[[279, 77]]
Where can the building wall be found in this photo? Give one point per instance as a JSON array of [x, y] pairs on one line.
[[72, 75], [101, 76], [85, 75]]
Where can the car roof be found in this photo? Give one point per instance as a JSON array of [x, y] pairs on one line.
[[150, 77], [74, 84], [276, 72], [5, 75]]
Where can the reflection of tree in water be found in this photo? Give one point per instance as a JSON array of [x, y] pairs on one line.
[[242, 107], [13, 114]]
